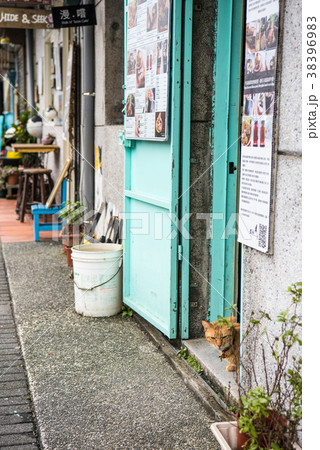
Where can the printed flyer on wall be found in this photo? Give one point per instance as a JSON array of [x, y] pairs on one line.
[[256, 177], [148, 56]]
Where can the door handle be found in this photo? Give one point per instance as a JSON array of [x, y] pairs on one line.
[[232, 168]]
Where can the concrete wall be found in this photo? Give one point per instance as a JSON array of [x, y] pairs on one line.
[[266, 277], [201, 159], [109, 48]]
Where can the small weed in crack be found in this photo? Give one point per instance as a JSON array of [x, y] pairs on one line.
[[191, 360]]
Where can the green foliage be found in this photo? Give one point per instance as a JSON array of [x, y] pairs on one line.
[[126, 311], [222, 321], [72, 213], [21, 134], [191, 360], [296, 290], [252, 415], [4, 173], [278, 392], [295, 381], [2, 179], [183, 353], [31, 160]]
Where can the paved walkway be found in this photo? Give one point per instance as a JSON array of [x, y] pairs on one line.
[[11, 229], [16, 425], [96, 383]]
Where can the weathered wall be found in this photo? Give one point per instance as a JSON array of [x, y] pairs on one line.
[[109, 45], [266, 277], [201, 158], [55, 160]]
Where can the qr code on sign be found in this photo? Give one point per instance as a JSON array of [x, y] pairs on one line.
[[262, 235]]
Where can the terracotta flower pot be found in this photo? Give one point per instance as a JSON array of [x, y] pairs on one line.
[[71, 235], [69, 259], [241, 438], [13, 178], [274, 422]]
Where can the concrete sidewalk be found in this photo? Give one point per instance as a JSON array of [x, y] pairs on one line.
[[96, 383]]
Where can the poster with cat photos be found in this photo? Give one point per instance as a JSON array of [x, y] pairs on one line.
[[257, 130], [147, 69]]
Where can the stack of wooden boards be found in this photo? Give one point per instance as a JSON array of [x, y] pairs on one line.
[[112, 229]]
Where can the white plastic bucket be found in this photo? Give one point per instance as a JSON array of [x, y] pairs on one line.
[[97, 270]]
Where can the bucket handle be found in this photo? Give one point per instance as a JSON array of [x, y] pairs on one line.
[[101, 284]]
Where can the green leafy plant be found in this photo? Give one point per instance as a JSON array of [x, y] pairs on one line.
[[21, 134], [72, 216], [191, 360], [2, 180], [270, 405], [259, 422], [222, 321], [4, 173], [126, 311], [72, 213]]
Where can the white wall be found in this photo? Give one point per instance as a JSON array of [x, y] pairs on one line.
[[109, 184], [267, 277], [54, 160]]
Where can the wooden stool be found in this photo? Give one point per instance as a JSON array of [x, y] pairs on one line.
[[30, 185], [20, 191]]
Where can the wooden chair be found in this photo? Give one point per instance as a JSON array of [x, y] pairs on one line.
[[38, 210], [30, 184]]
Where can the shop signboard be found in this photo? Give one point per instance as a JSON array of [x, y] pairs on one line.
[[25, 18], [147, 70], [258, 125], [74, 16]]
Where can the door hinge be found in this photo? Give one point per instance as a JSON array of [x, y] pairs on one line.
[[180, 252], [122, 141]]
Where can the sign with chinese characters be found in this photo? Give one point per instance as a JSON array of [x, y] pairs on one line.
[[147, 71], [257, 132], [74, 16], [25, 18]]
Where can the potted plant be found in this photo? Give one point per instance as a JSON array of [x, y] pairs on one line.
[[12, 174], [9, 175], [3, 190], [269, 410], [19, 134], [72, 216]]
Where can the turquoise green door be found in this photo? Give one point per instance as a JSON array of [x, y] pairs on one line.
[[227, 110], [151, 208]]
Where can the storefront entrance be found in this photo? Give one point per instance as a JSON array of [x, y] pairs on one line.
[[157, 173]]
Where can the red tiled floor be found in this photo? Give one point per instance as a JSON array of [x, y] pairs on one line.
[[12, 230]]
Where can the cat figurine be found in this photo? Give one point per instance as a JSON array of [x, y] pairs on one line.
[[226, 339]]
